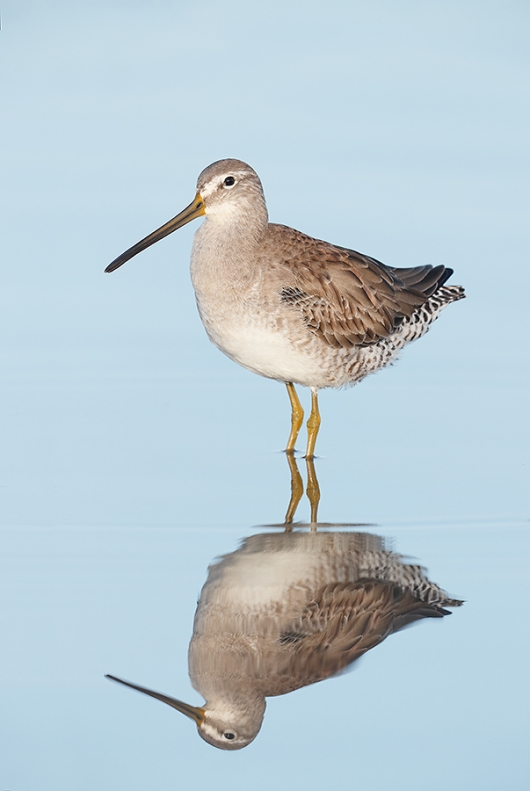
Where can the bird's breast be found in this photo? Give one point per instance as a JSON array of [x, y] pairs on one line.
[[245, 318]]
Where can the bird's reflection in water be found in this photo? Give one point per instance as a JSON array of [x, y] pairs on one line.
[[290, 609]]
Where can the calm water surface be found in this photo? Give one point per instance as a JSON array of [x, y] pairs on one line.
[[443, 704]]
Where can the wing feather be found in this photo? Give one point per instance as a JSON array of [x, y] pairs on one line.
[[347, 298], [343, 622]]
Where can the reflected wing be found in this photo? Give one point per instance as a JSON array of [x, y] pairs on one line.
[[350, 299], [344, 621]]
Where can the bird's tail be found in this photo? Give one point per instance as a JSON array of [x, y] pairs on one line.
[[448, 294]]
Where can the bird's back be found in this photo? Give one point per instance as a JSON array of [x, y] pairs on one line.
[[346, 298]]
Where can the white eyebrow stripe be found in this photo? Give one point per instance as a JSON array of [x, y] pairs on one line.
[[214, 184]]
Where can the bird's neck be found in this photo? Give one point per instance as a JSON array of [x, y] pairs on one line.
[[246, 222], [225, 247]]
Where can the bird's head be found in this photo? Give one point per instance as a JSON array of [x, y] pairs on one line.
[[226, 726], [229, 730], [227, 190], [231, 189]]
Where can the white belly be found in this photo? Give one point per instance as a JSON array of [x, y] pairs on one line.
[[267, 352]]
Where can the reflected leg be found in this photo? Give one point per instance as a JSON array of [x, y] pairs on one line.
[[297, 417], [313, 425], [313, 492], [297, 490]]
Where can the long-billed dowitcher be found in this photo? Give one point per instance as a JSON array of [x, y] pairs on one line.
[[290, 307], [288, 610]]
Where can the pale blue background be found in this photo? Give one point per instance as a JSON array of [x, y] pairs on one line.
[[133, 452]]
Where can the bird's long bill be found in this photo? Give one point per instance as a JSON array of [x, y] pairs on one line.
[[195, 209], [195, 713]]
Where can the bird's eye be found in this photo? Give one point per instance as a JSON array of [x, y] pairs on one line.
[[229, 735], [229, 181]]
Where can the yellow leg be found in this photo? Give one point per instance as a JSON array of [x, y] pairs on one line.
[[313, 492], [297, 417], [313, 425], [297, 490]]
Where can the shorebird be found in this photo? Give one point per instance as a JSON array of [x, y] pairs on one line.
[[291, 307], [288, 610]]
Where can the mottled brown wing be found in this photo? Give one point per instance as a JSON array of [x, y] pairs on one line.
[[344, 621], [347, 298]]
